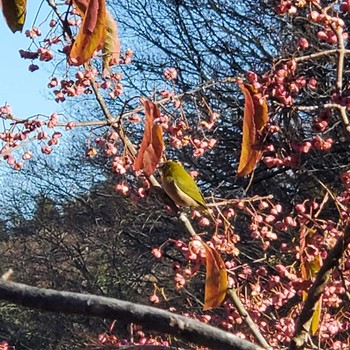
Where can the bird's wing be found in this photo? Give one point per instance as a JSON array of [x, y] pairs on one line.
[[192, 191]]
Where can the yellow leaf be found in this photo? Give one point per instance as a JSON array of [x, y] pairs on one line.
[[309, 270], [14, 12], [316, 317], [111, 49]]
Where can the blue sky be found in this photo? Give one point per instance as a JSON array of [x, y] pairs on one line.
[[26, 92]]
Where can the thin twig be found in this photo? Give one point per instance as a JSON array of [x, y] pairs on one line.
[[340, 64], [321, 54], [133, 111]]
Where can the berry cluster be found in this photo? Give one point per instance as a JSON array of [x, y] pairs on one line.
[[20, 133]]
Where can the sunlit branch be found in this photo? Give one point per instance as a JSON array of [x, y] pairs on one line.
[[245, 315], [319, 55], [138, 109], [148, 317]]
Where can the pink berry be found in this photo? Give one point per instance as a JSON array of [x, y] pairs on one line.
[[300, 208], [154, 299], [204, 222], [157, 253], [170, 74], [303, 43]]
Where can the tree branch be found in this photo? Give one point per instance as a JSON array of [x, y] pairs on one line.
[[243, 312], [149, 317], [316, 290], [115, 123], [110, 120]]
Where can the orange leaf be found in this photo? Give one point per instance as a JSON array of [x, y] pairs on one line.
[[152, 144], [254, 120], [216, 279], [81, 6], [111, 49], [92, 34], [260, 105], [14, 12]]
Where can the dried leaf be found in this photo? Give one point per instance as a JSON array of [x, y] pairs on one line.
[[246, 162], [254, 120], [152, 144], [14, 12], [261, 112], [91, 152], [111, 49], [92, 34], [316, 317], [216, 279], [153, 152], [81, 6], [309, 269]]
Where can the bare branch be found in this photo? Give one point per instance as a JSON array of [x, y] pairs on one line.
[[149, 317], [113, 120]]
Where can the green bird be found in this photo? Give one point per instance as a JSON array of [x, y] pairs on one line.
[[180, 187]]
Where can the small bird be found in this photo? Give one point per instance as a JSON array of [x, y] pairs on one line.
[[180, 186]]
